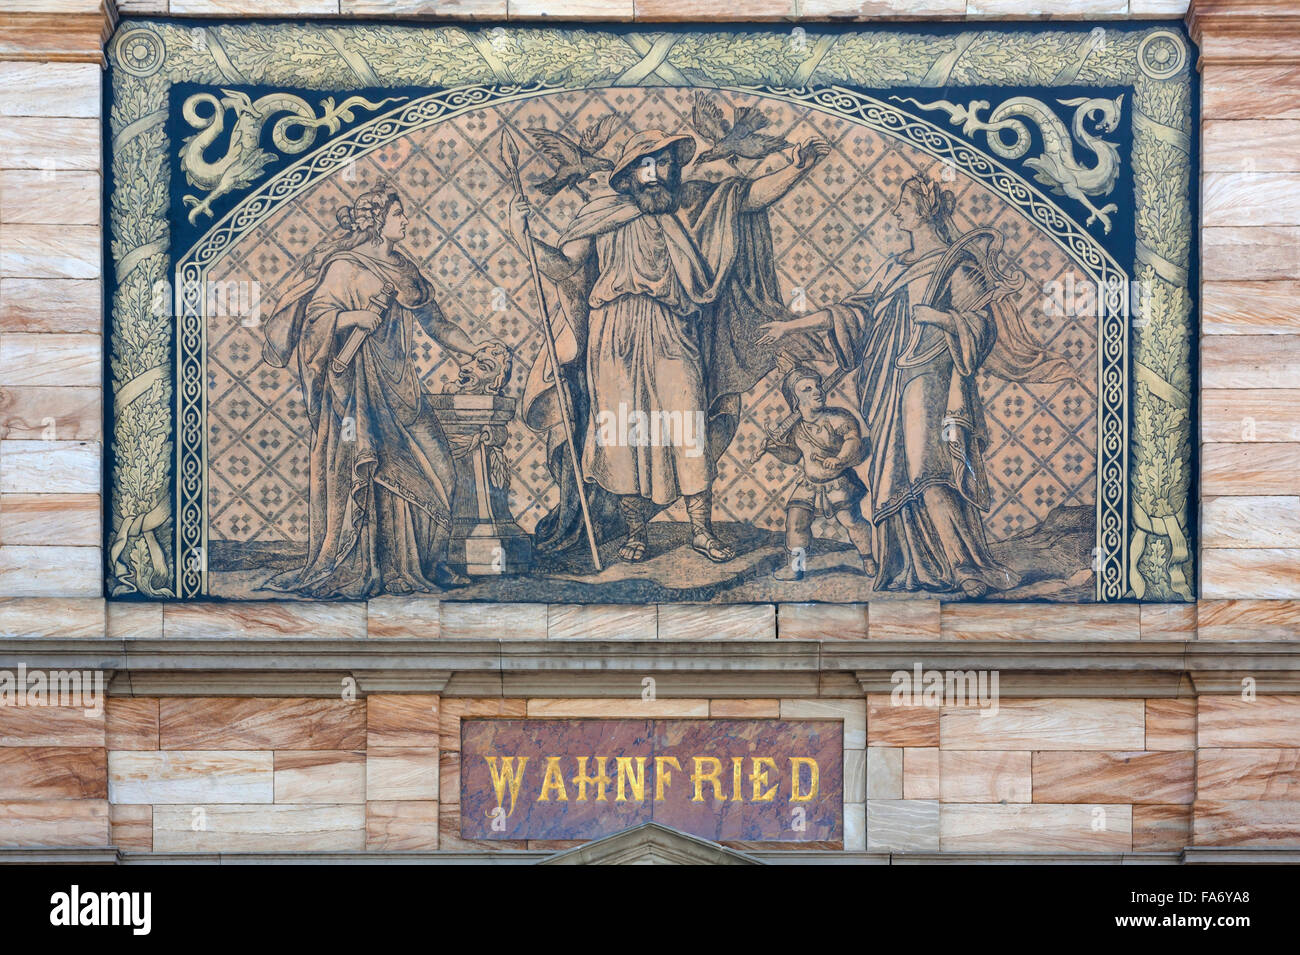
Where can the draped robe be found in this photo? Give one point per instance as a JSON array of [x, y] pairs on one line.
[[380, 472], [699, 283], [918, 395]]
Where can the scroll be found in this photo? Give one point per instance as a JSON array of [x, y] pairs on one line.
[[379, 303]]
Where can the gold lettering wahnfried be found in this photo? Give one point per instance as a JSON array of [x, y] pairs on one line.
[[751, 779]]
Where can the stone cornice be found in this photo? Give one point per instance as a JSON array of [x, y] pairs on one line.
[[1191, 855], [1241, 855], [1245, 32], [59, 855], [1188, 856], [301, 667], [1242, 17], [71, 32]]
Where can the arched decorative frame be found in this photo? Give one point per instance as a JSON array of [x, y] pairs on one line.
[[157, 524]]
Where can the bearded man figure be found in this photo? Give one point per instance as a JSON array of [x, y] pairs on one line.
[[663, 284]]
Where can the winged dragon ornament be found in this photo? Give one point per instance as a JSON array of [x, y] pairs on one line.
[[1057, 168], [244, 158]]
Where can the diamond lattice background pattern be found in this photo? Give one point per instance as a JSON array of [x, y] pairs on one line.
[[830, 232]]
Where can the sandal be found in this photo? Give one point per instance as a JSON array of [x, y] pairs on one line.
[[712, 548], [447, 578], [633, 550]]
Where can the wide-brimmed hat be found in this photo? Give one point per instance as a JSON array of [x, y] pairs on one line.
[[647, 143]]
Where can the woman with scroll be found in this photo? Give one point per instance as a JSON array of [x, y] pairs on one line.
[[381, 474]]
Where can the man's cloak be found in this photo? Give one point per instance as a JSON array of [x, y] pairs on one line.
[[743, 293]]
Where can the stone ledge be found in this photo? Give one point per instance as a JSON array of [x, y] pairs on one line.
[[273, 683], [1234, 619], [279, 667], [1245, 32], [105, 855], [1241, 855], [509, 656], [774, 857], [1074, 684], [983, 858], [1191, 855], [74, 36], [1263, 19], [489, 857]]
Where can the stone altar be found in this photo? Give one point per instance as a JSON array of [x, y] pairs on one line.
[[484, 537]]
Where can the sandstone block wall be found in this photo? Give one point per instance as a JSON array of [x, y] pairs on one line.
[[1195, 765]]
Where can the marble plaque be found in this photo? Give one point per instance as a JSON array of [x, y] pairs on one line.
[[725, 780], [839, 314]]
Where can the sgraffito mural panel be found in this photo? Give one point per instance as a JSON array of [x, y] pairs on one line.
[[837, 315]]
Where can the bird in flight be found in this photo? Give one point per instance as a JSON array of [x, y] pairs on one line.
[[574, 162], [740, 137]]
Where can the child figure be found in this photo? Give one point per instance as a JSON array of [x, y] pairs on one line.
[[828, 443]]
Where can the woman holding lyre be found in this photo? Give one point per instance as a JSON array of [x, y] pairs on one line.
[[937, 313]]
